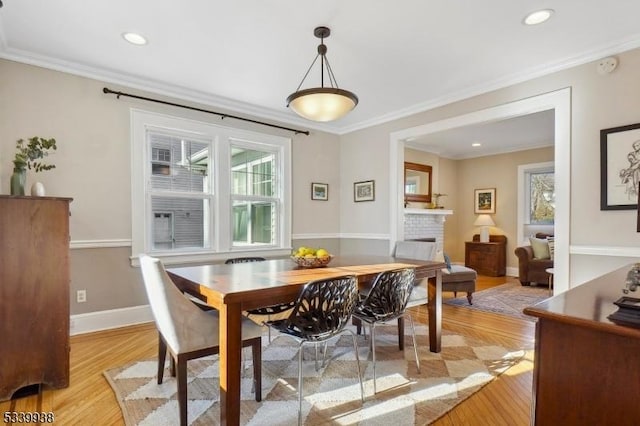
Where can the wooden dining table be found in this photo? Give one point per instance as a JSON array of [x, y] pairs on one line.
[[235, 288]]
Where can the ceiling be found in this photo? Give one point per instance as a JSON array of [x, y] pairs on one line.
[[514, 134], [249, 55]]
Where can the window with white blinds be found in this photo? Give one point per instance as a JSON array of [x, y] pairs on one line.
[[200, 189]]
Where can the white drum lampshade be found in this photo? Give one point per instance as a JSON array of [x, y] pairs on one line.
[[485, 221]]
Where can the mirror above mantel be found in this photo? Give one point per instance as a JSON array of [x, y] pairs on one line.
[[417, 182]]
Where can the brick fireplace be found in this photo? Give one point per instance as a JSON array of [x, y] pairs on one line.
[[425, 223]]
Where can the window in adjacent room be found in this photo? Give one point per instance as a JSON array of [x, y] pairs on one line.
[[542, 197], [536, 199]]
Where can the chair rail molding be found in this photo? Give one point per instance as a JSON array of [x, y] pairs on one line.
[[89, 244], [605, 251]]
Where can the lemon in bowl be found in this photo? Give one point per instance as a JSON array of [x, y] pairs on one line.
[[307, 257]]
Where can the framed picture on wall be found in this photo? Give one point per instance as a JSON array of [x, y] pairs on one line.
[[485, 201], [620, 167], [320, 191], [364, 191]]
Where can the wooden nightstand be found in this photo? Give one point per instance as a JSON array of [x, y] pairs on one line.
[[487, 258]]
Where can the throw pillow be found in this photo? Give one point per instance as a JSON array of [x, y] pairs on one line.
[[552, 246], [447, 260], [540, 248], [439, 257]]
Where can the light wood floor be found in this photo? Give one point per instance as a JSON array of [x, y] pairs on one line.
[[89, 399]]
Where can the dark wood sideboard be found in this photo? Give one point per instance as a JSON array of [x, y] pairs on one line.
[[487, 258], [585, 366], [34, 293]]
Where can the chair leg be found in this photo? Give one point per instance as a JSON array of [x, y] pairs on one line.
[[182, 390], [401, 333], [256, 352], [172, 366], [373, 353], [415, 346], [355, 348], [355, 321], [470, 297], [243, 367], [162, 356], [324, 354], [300, 386]]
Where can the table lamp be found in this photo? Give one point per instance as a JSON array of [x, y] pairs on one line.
[[485, 221]]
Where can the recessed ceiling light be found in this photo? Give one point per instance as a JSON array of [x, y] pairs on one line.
[[135, 38], [537, 17], [476, 144]]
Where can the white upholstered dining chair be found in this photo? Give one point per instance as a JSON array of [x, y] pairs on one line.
[[187, 331]]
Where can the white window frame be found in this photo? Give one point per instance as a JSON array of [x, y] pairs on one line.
[[251, 197], [220, 231], [524, 198]]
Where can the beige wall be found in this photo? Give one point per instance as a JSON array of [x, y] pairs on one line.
[[460, 178], [597, 102], [429, 159], [499, 172], [93, 167]]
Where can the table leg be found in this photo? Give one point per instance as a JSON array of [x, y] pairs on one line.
[[230, 360], [434, 307]]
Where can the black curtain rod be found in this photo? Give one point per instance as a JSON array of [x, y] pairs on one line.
[[223, 116]]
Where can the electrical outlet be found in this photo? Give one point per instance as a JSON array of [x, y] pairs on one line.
[[81, 296]]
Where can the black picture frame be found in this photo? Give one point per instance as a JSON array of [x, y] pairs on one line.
[[620, 167], [625, 302], [364, 191], [320, 191]]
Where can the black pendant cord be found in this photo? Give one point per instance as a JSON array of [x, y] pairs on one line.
[[222, 115]]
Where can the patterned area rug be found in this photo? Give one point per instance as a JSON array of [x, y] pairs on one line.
[[508, 299], [332, 394]]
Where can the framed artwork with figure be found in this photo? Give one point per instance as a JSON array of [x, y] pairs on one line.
[[620, 167]]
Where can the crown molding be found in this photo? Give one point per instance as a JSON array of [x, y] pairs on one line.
[[244, 108], [160, 88]]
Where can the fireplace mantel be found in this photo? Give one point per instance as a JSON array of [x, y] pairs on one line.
[[428, 211]]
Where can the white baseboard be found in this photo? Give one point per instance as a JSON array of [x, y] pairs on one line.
[[513, 272], [105, 320]]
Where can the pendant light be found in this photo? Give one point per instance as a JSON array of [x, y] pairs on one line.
[[322, 103]]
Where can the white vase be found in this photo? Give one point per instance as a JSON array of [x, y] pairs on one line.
[[37, 190]]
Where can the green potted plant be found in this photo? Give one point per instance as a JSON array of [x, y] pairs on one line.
[[29, 156]]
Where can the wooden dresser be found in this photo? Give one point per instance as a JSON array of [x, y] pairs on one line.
[[585, 366], [34, 292], [487, 258]]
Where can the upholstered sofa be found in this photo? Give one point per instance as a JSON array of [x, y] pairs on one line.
[[530, 268]]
